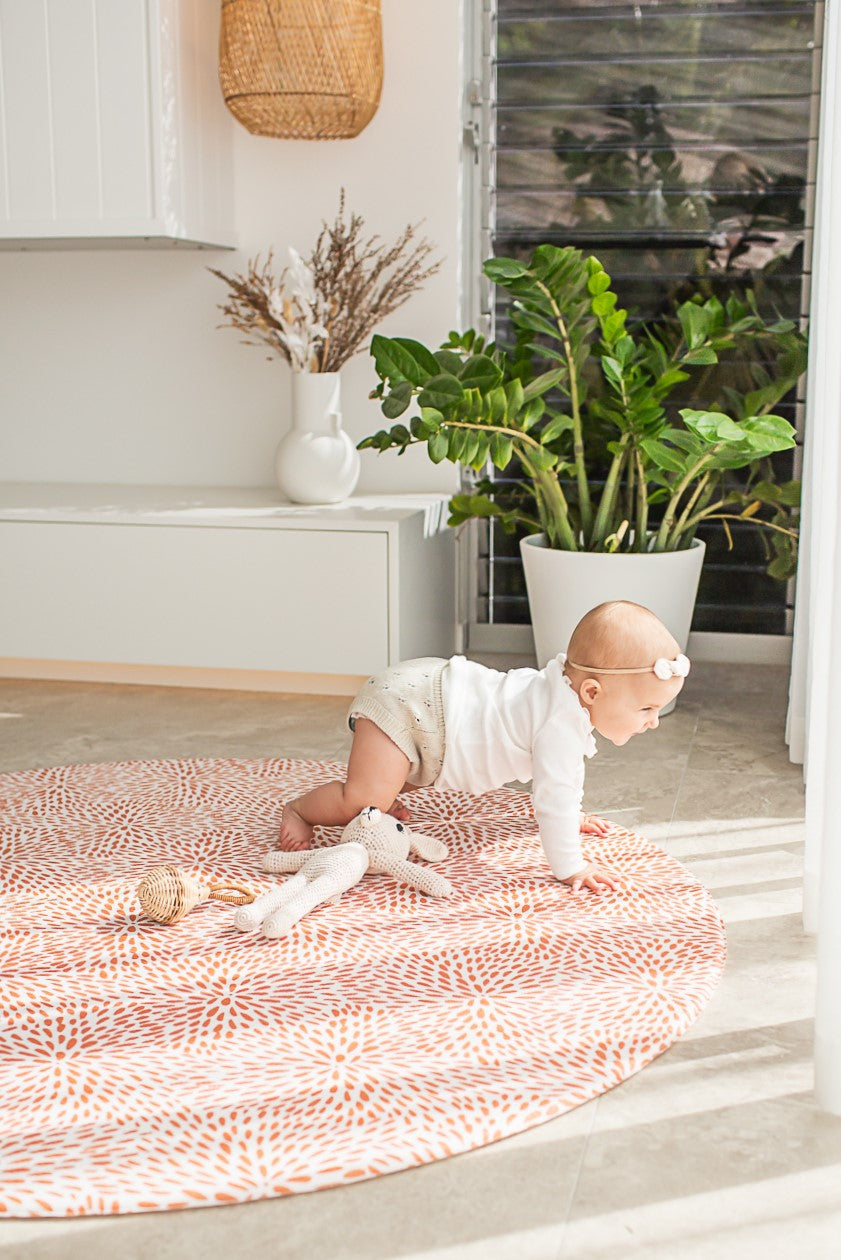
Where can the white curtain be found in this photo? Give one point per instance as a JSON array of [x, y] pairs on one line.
[[814, 719]]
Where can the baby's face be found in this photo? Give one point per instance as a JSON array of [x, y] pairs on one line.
[[629, 705]]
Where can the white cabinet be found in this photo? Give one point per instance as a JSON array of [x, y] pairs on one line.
[[113, 129], [95, 579]]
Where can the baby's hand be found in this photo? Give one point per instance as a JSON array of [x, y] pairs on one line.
[[590, 826], [594, 877]]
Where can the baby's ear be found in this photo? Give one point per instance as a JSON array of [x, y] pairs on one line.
[[589, 690], [427, 847]]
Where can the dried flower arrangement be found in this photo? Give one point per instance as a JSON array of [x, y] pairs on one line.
[[320, 310]]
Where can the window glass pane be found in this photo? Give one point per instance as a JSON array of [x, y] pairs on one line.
[[697, 123], [673, 140]]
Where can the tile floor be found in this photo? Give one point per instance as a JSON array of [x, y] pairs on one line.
[[713, 1152]]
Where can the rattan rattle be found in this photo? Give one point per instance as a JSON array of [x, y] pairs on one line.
[[167, 893]]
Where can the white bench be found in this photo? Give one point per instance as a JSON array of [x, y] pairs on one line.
[[220, 587]]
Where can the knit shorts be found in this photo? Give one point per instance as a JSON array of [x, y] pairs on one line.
[[405, 702]]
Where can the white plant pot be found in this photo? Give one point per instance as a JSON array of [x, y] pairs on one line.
[[563, 585], [316, 462]]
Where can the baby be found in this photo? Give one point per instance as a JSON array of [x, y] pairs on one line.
[[459, 725]]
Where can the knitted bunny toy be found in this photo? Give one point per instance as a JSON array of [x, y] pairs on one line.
[[324, 875], [373, 842]]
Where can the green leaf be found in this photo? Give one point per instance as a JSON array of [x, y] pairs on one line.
[[400, 436], [421, 355], [542, 459], [432, 418], [782, 566], [396, 363], [598, 282], [463, 341], [735, 309], [624, 350], [669, 378], [371, 442], [712, 426], [398, 400], [547, 352], [437, 447], [497, 405], [767, 491], [705, 355], [479, 372], [531, 413], [603, 303], [470, 449], [448, 361], [543, 383], [758, 399], [612, 369], [514, 397], [501, 449], [457, 441], [694, 321], [663, 456], [468, 505], [560, 424], [501, 269], [534, 322], [685, 441], [612, 326], [482, 452], [768, 434], [441, 392]]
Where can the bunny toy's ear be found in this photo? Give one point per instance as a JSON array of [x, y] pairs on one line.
[[368, 817], [427, 847]]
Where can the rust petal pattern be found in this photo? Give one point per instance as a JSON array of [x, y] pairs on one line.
[[145, 1067]]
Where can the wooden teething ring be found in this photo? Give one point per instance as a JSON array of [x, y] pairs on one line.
[[167, 893]]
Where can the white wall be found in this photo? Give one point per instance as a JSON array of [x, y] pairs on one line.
[[111, 364]]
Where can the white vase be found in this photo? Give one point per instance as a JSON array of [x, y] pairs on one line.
[[563, 585], [316, 462]]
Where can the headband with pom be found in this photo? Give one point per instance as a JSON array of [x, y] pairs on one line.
[[663, 668]]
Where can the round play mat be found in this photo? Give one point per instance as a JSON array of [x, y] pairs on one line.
[[146, 1067]]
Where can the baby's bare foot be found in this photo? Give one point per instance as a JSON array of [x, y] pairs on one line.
[[400, 812], [295, 833]]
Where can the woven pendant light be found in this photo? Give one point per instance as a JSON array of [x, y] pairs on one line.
[[301, 69]]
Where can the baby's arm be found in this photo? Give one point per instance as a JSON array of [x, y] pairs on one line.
[[557, 788]]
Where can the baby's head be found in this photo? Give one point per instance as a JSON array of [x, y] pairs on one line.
[[611, 665]]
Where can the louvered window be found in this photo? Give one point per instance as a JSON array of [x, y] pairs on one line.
[[675, 140]]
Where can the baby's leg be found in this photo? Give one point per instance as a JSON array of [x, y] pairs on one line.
[[376, 772]]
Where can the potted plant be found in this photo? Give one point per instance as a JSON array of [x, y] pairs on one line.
[[616, 478]]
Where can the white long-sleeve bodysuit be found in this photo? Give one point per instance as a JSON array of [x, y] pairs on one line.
[[520, 725]]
